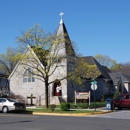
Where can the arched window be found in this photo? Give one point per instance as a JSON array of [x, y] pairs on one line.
[[28, 76]]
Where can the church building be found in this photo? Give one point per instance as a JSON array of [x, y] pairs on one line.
[[24, 83]]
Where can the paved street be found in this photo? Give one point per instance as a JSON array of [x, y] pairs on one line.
[[113, 121], [119, 114]]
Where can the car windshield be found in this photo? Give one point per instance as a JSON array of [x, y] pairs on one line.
[[11, 100]]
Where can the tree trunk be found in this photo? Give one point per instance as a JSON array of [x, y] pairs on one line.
[[46, 95]]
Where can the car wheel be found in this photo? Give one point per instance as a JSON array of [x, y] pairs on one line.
[[5, 109]]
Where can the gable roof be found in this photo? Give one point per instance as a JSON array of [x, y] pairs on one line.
[[106, 73], [26, 51], [92, 61], [116, 77], [119, 77]]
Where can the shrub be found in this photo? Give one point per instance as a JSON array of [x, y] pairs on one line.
[[52, 107], [64, 106], [98, 104], [73, 106], [103, 99], [84, 105]]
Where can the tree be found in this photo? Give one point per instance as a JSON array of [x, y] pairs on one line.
[[125, 65], [7, 64], [4, 85], [48, 48], [125, 68], [7, 61], [107, 61], [83, 71]]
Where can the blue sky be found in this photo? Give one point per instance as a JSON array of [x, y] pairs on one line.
[[96, 26]]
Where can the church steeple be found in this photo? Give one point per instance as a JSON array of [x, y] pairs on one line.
[[69, 51]]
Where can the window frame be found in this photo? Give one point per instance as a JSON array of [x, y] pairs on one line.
[[28, 76]]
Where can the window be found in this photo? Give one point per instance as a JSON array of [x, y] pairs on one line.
[[28, 76], [127, 97], [121, 97], [2, 100], [11, 100]]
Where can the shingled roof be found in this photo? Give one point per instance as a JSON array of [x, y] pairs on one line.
[[126, 78], [106, 73], [125, 71], [116, 77], [104, 70]]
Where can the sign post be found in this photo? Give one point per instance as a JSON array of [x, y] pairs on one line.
[[89, 98], [94, 87]]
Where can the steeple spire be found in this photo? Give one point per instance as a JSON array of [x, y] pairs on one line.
[[67, 45], [61, 14]]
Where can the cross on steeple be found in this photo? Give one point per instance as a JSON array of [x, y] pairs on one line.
[[61, 14]]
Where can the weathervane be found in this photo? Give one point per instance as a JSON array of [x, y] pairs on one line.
[[61, 14]]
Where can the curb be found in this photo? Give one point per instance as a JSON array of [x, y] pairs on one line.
[[71, 114]]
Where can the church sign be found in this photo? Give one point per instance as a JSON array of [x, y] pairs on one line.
[[82, 95]]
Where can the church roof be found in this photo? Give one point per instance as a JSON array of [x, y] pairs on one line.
[[126, 78], [125, 71], [116, 78], [104, 70], [68, 45]]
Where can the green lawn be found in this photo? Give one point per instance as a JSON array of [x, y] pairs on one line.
[[59, 111], [78, 108]]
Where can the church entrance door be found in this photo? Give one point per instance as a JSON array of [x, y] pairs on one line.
[[56, 88]]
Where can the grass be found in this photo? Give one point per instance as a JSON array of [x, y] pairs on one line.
[[42, 110], [78, 108]]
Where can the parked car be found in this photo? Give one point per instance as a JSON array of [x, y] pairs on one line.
[[8, 104], [122, 101]]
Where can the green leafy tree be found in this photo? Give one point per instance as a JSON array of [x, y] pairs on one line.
[[48, 48], [7, 61], [7, 64], [107, 61], [83, 71]]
